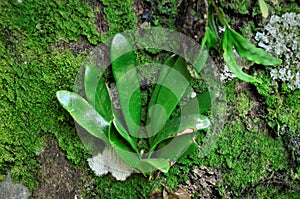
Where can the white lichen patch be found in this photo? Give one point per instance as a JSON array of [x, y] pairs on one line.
[[109, 161], [226, 74], [281, 38]]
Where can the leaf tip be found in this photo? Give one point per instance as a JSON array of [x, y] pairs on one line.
[[63, 97], [279, 61]]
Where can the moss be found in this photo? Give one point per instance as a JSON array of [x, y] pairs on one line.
[[271, 191], [178, 173], [51, 21], [286, 6], [248, 30], [283, 113], [32, 71], [247, 157], [119, 15], [164, 13], [135, 186], [241, 7], [30, 74], [29, 110], [244, 156]]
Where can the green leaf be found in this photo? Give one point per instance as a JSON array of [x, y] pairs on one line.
[[263, 8], [151, 164], [133, 159], [230, 59], [84, 114], [199, 104], [201, 59], [103, 104], [122, 131], [210, 40], [123, 150], [181, 126], [211, 21], [248, 51], [91, 78], [172, 83], [96, 92], [173, 150], [125, 74]]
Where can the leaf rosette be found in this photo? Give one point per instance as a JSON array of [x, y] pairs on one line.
[[167, 138]]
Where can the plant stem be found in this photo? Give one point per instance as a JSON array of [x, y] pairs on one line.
[[219, 14]]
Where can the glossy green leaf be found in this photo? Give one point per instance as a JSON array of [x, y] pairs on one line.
[[172, 83], [84, 114], [91, 78], [96, 92], [230, 58], [263, 8], [210, 38], [103, 104], [122, 131], [125, 74], [173, 150], [151, 164], [119, 124], [248, 51], [125, 152], [198, 105], [181, 126], [133, 159]]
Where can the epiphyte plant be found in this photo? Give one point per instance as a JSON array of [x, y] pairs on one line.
[[231, 40], [166, 139]]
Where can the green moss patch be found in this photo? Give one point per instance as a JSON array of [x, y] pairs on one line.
[[30, 74]]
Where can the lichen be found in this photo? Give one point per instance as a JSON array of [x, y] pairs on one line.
[[281, 38]]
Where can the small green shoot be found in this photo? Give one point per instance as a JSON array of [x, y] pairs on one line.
[[232, 40], [263, 8]]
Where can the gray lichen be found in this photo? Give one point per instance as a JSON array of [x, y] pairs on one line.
[[8, 189], [293, 140], [281, 38]]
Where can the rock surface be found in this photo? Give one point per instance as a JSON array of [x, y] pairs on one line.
[[10, 190]]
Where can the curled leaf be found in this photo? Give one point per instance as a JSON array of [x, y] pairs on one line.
[[97, 93], [103, 104], [248, 51], [230, 58], [181, 126], [133, 159]]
